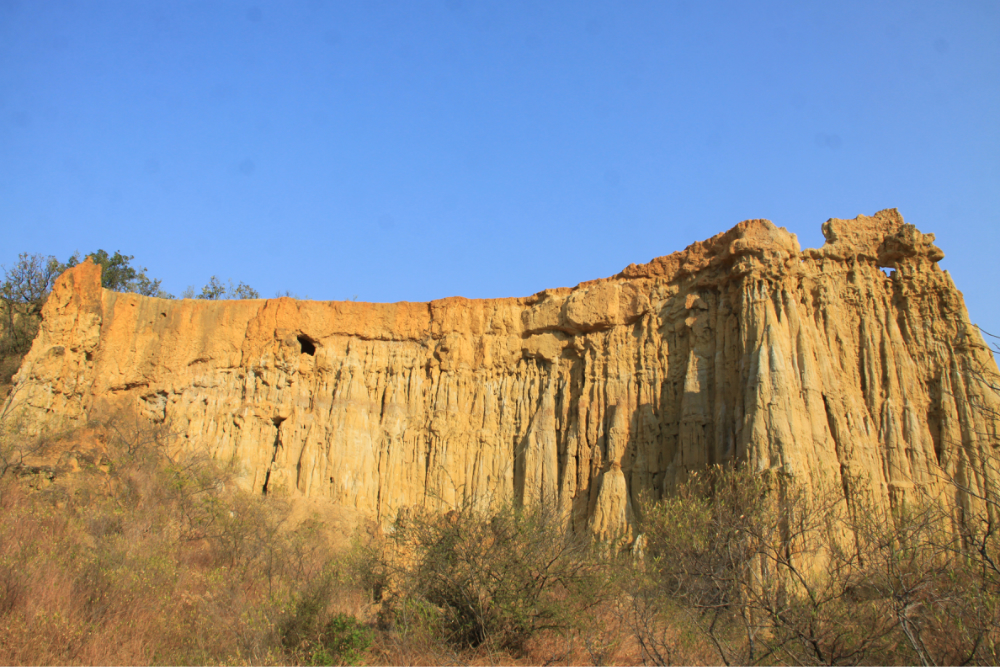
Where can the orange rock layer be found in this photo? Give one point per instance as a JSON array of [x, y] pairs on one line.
[[739, 348]]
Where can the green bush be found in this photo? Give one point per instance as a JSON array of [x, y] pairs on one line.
[[341, 642], [312, 635], [495, 578]]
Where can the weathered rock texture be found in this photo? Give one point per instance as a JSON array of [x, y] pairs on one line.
[[739, 348]]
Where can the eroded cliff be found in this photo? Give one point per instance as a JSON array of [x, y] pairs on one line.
[[741, 347]]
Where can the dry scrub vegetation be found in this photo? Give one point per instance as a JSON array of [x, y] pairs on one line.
[[142, 557]]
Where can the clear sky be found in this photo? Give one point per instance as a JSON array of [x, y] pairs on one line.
[[414, 150]]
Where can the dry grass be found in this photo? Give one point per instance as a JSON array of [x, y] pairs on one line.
[[134, 565], [154, 562], [139, 558]]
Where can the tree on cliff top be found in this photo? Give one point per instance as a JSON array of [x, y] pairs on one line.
[[216, 290], [23, 291], [118, 274], [28, 282]]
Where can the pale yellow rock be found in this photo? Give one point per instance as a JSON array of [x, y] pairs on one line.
[[739, 348]]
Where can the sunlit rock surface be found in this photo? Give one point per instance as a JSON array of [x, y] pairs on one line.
[[739, 348]]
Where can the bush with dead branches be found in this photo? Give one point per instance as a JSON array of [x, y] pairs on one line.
[[769, 571], [494, 578]]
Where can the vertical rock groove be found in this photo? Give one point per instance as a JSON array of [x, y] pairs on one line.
[[274, 454]]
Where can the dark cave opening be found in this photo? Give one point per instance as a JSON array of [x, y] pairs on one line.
[[306, 345]]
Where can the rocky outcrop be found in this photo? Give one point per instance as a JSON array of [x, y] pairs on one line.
[[817, 363]]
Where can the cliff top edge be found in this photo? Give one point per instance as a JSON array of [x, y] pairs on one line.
[[883, 237]]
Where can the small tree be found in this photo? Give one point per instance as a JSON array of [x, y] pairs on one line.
[[23, 291], [29, 281], [215, 290], [118, 274], [496, 578]]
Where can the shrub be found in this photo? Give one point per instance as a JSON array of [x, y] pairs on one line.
[[312, 635], [118, 274], [770, 571], [215, 290], [497, 578], [342, 641]]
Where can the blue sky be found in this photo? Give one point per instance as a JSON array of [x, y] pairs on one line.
[[417, 150]]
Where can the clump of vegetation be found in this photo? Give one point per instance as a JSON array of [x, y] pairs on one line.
[[118, 274], [145, 558], [23, 290], [215, 290], [491, 578], [312, 637], [768, 571]]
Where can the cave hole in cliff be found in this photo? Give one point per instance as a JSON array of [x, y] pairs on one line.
[[306, 344]]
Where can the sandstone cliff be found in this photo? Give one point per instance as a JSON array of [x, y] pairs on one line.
[[741, 347]]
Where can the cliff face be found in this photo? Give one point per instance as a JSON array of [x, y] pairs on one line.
[[740, 347]]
